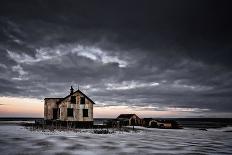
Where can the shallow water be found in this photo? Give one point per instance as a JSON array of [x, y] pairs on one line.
[[16, 139]]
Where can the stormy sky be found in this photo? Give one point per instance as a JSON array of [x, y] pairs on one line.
[[145, 55]]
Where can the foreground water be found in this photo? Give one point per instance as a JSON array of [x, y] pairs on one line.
[[16, 139]]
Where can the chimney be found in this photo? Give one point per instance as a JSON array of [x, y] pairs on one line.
[[71, 90]]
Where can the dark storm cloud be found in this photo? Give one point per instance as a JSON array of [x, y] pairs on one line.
[[160, 54]]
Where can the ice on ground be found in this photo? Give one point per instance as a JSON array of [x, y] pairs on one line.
[[19, 140]]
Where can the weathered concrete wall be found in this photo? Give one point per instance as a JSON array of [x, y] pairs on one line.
[[49, 104], [77, 109], [88, 105]]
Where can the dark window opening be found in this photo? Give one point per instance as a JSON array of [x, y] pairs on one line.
[[70, 112], [58, 113], [85, 113], [73, 99], [133, 121], [82, 100], [55, 110]]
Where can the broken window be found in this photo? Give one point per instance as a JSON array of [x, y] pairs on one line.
[[55, 110], [73, 99], [82, 100], [85, 113], [70, 112], [58, 116]]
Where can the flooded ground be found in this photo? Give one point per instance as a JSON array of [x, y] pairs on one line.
[[15, 139]]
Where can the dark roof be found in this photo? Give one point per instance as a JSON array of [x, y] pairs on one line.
[[76, 92], [128, 116], [147, 119]]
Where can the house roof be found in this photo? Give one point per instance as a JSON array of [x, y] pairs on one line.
[[80, 93], [127, 116], [147, 119], [62, 99]]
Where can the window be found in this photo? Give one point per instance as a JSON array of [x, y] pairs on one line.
[[58, 113], [70, 112], [85, 113], [82, 100], [73, 99], [55, 110]]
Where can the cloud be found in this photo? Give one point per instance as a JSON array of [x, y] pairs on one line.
[[179, 109], [3, 66], [45, 54], [20, 71], [97, 54], [40, 55], [129, 85], [151, 58]]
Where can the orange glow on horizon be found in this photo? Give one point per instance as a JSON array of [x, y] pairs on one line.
[[32, 107], [21, 107]]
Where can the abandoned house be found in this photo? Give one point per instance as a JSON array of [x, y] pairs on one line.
[[164, 124], [146, 122], [129, 119], [76, 108]]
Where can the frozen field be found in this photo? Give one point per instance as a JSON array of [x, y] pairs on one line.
[[16, 139]]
